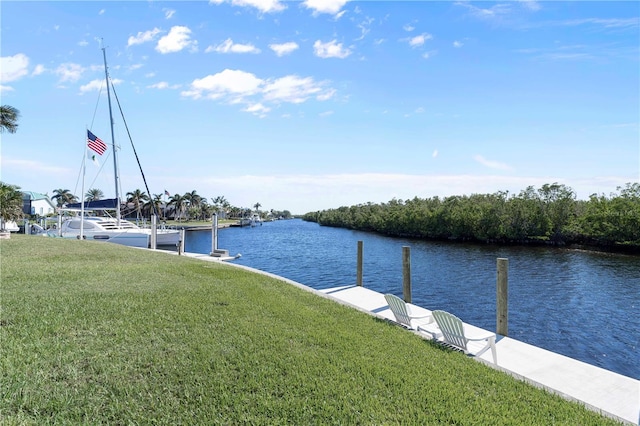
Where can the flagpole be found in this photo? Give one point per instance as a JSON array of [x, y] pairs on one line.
[[113, 141], [84, 170]]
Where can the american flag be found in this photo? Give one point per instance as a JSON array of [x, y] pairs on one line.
[[167, 193], [95, 143]]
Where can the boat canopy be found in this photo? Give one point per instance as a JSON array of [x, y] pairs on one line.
[[108, 204]]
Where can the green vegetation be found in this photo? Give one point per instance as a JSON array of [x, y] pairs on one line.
[[177, 208], [549, 215], [10, 204], [64, 196], [94, 333], [9, 119]]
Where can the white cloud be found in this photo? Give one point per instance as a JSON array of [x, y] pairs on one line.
[[326, 95], [339, 15], [495, 11], [162, 85], [264, 6], [284, 48], [39, 69], [240, 87], [492, 164], [179, 38], [419, 40], [168, 13], [292, 89], [457, 44], [604, 22], [408, 27], [257, 109], [330, 49], [13, 68], [572, 52], [225, 83], [228, 46], [331, 7], [429, 54], [69, 72], [435, 153], [532, 5], [143, 37], [96, 85], [365, 27]]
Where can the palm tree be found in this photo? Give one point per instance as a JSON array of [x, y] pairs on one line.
[[10, 203], [206, 210], [257, 206], [63, 196], [220, 203], [179, 204], [193, 195], [137, 197], [153, 205], [236, 211], [193, 199], [8, 119], [93, 194]]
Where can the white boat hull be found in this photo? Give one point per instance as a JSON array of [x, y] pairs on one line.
[[108, 230], [166, 237], [131, 239]]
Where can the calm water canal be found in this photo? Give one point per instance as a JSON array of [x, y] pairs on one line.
[[585, 305]]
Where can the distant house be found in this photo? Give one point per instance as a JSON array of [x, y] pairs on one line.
[[34, 203]]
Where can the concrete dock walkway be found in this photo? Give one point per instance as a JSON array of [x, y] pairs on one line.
[[604, 391]]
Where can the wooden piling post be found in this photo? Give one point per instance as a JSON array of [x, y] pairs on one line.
[[502, 305], [406, 273], [214, 233], [181, 242], [359, 265], [154, 232]]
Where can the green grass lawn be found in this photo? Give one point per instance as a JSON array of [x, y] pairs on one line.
[[96, 333]]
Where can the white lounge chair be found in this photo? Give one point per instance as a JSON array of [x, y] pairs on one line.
[[463, 336], [402, 313]]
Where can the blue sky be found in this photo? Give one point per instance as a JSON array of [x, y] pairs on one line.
[[318, 104]]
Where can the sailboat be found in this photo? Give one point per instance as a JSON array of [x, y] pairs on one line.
[[107, 228]]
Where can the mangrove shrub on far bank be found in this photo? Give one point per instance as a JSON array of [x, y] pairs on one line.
[[548, 215]]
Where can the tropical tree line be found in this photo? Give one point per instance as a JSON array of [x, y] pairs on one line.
[[549, 215], [187, 206]]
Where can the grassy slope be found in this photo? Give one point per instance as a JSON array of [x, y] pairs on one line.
[[100, 333]]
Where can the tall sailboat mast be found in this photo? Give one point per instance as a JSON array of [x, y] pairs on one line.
[[116, 173]]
